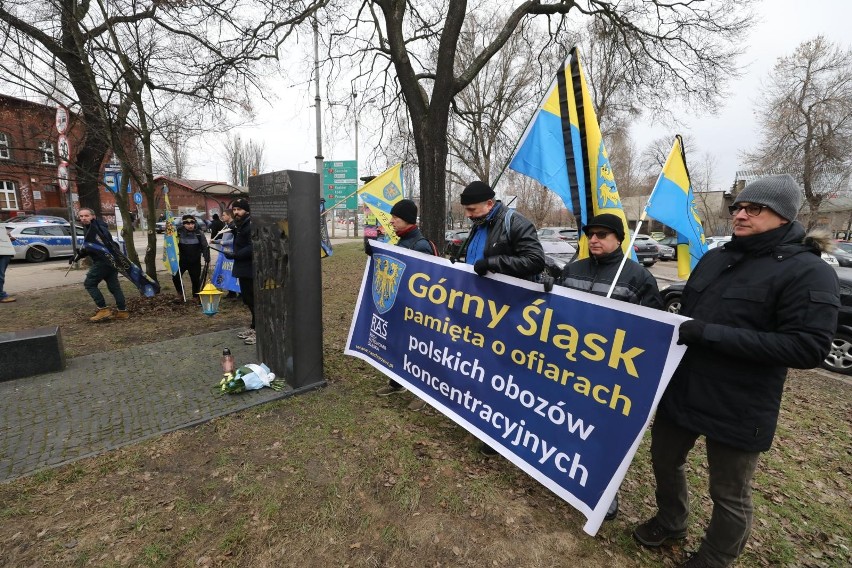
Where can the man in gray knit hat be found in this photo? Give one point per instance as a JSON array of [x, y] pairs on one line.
[[760, 304]]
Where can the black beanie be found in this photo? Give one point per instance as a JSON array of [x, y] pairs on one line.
[[607, 221], [242, 204], [406, 210], [476, 192]]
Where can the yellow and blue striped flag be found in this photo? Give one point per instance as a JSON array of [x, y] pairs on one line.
[[380, 194], [563, 150], [171, 256], [672, 203]]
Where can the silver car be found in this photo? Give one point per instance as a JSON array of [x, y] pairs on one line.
[[36, 242]]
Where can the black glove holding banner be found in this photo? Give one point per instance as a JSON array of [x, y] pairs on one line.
[[690, 332], [481, 266]]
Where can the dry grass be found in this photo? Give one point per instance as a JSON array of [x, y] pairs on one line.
[[341, 478]]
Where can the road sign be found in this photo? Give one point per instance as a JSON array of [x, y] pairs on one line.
[[137, 198], [62, 176], [64, 148], [339, 180], [61, 119]]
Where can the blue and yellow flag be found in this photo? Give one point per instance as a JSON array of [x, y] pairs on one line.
[[171, 258], [563, 150], [381, 193], [673, 203]]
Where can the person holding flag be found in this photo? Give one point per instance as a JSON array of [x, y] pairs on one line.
[[602, 274], [380, 194], [102, 270], [192, 246]]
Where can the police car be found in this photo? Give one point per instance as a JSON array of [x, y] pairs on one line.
[[36, 242]]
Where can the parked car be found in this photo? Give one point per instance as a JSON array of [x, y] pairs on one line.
[[557, 253], [454, 241], [36, 242], [160, 226], [562, 233], [646, 250], [38, 219], [839, 359], [713, 242], [843, 253], [664, 252]]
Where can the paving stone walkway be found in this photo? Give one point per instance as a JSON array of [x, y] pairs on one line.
[[107, 400]]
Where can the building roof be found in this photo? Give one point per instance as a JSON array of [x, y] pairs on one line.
[[203, 186]]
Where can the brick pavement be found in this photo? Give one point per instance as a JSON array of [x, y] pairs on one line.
[[103, 401]]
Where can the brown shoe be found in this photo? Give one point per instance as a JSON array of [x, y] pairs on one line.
[[120, 314], [6, 299], [101, 315], [417, 405]]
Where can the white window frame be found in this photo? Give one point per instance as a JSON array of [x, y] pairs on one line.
[[48, 152], [8, 194], [5, 153]]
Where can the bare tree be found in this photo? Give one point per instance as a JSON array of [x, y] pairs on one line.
[[173, 150], [681, 48], [806, 119], [245, 159]]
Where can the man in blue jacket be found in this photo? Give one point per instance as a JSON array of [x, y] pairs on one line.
[[760, 304]]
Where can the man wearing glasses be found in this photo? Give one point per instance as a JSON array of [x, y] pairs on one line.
[[760, 304], [192, 245], [596, 274]]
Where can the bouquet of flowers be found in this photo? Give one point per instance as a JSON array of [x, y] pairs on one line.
[[249, 377]]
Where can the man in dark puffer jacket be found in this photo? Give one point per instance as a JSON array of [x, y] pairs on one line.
[[764, 302]]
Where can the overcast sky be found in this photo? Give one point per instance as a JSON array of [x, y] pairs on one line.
[[287, 126]]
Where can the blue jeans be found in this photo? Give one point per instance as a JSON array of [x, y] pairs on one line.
[[4, 263], [99, 272], [731, 472]]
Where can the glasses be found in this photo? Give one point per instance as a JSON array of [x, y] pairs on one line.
[[751, 209], [601, 235], [189, 222]]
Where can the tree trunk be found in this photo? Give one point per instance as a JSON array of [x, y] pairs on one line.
[[431, 145]]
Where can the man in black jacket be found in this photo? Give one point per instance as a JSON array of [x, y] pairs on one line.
[[97, 232], [760, 304], [500, 241], [243, 268], [192, 246], [595, 274]]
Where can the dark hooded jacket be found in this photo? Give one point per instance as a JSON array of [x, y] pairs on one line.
[[414, 240], [192, 246], [595, 274], [514, 250], [769, 302], [242, 255]]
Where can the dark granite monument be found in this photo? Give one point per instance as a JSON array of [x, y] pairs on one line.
[[31, 352], [285, 224]]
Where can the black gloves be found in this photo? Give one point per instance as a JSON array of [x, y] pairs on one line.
[[72, 259], [481, 266], [547, 281], [228, 255], [690, 332]]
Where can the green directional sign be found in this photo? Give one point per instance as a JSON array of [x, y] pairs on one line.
[[339, 182]]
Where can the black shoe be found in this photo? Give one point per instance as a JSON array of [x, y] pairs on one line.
[[487, 450], [612, 512], [653, 535]]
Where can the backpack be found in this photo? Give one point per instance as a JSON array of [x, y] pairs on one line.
[[431, 245]]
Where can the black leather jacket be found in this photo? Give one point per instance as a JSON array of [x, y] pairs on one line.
[[635, 284], [515, 252]]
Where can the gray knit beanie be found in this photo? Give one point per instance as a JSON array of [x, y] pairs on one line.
[[780, 193]]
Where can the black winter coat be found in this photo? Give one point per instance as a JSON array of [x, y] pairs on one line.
[[635, 284], [192, 245], [414, 240], [769, 302], [243, 267], [517, 254]]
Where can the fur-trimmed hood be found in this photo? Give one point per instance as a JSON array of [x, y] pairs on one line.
[[820, 239]]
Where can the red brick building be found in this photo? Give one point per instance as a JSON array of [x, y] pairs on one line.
[[29, 160], [193, 195]]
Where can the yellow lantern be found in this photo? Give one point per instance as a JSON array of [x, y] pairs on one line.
[[210, 297]]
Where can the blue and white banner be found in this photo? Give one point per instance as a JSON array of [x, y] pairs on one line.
[[222, 277], [563, 384]]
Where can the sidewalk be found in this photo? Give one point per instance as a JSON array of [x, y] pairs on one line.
[[107, 400]]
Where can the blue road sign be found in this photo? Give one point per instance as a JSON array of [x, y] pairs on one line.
[[137, 198]]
